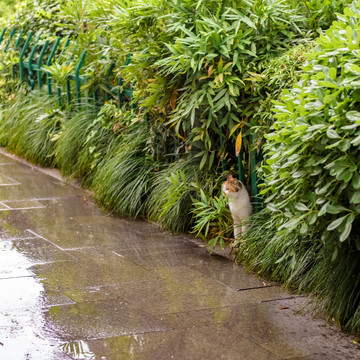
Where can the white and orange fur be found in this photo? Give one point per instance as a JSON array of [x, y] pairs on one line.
[[239, 203]]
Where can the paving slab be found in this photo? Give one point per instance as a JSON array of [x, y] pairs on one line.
[[77, 283]]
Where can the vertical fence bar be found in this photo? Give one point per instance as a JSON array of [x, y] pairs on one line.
[[241, 167], [119, 93], [222, 147], [39, 64], [2, 35], [108, 86], [23, 51], [253, 163], [48, 63], [31, 81], [58, 95], [17, 44], [12, 33], [77, 78], [68, 92]]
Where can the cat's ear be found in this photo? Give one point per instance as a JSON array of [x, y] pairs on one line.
[[239, 184], [230, 177]]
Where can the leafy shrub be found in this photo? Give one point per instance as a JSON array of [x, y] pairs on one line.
[[282, 73], [212, 218], [311, 177]]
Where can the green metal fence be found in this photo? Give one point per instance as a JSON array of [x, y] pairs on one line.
[[34, 54]]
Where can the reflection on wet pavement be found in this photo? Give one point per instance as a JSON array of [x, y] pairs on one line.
[[79, 284]]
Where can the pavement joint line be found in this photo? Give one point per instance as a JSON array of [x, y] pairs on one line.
[[45, 198], [17, 277], [81, 248], [18, 238], [4, 204], [57, 246], [284, 298], [256, 288], [14, 181], [24, 208]]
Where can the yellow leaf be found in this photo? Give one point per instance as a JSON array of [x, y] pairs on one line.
[[220, 64], [238, 144], [173, 99], [239, 125], [221, 77], [210, 70]]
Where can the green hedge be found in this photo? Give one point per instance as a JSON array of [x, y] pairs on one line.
[[312, 178]]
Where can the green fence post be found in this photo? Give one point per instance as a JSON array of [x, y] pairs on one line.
[[68, 92], [39, 63], [21, 61], [108, 74], [254, 188], [2, 35], [17, 44], [222, 147], [77, 78], [12, 33], [241, 167], [119, 93], [31, 81], [58, 95], [48, 62]]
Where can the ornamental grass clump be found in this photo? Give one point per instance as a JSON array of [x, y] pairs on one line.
[[312, 181], [30, 125]]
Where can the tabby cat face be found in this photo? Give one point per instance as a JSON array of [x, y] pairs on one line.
[[231, 185]]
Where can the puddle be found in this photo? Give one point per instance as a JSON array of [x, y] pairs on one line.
[[78, 350], [21, 318]]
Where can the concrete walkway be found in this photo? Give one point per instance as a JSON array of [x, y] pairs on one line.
[[76, 283]]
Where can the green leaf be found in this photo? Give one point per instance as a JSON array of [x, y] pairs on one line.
[[335, 254], [335, 209], [356, 180], [301, 207], [346, 233], [353, 115], [334, 224], [304, 228], [355, 197], [271, 207], [328, 84], [332, 73], [332, 134], [356, 141]]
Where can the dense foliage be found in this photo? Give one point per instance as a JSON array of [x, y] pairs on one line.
[[7, 9], [311, 177]]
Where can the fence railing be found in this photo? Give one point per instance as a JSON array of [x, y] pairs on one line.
[[33, 55], [33, 72]]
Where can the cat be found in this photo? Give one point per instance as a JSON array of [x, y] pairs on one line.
[[239, 203]]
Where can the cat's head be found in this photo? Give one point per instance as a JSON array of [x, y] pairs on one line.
[[231, 186]]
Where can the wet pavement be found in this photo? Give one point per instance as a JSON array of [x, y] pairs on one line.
[[76, 283]]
